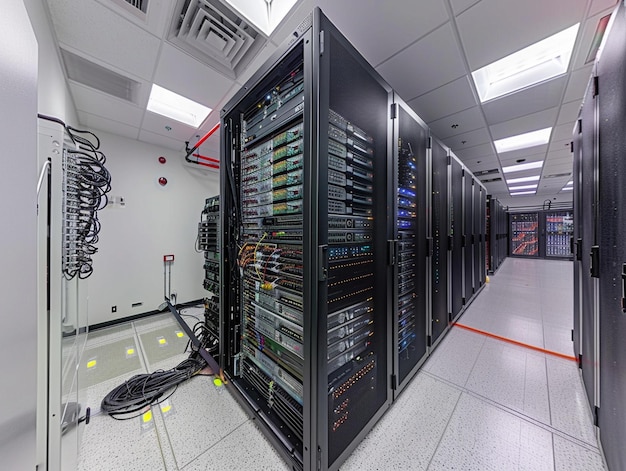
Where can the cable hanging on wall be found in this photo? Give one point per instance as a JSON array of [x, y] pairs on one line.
[[86, 181]]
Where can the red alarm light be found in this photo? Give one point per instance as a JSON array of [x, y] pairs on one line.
[[162, 160], [162, 181]]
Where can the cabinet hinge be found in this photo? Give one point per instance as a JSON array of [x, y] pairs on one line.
[[429, 341], [321, 42], [394, 382], [596, 416], [580, 361], [596, 89], [394, 111], [595, 261], [430, 143]]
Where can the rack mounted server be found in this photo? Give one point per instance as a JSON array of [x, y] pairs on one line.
[[327, 186]]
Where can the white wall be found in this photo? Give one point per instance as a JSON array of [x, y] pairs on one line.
[[155, 221], [18, 182]]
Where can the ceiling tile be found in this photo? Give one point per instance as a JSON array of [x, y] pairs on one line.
[[160, 140], [406, 73], [158, 124], [533, 99], [365, 22], [198, 82], [107, 125], [483, 152], [459, 6], [560, 145], [524, 124], [577, 84], [468, 139], [569, 112], [531, 155], [562, 132], [601, 5], [89, 100], [444, 101], [97, 31], [586, 39], [465, 121], [510, 25]]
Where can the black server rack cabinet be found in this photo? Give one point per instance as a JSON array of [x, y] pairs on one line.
[[306, 295], [438, 241], [502, 235], [524, 234], [456, 237], [611, 224], [577, 235], [478, 235], [589, 198], [409, 243], [468, 230]]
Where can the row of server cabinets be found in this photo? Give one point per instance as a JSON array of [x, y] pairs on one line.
[[350, 241], [497, 235], [542, 234], [599, 145]]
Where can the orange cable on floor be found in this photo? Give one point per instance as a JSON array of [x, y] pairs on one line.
[[515, 342]]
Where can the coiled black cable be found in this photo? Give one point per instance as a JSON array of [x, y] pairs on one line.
[[131, 398]]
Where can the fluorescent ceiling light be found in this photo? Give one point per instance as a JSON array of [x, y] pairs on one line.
[[172, 105], [569, 183], [264, 14], [523, 193], [567, 188], [523, 179], [522, 141], [520, 167], [538, 62], [523, 187]]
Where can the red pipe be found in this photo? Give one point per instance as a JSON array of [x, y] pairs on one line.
[[203, 157], [207, 165], [206, 136]]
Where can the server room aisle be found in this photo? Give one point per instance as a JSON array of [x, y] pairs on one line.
[[478, 403]]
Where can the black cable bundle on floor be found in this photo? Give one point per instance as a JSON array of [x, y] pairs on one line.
[[130, 399]]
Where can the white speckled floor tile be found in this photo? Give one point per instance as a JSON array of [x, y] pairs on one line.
[[570, 456], [109, 444], [455, 356], [244, 448], [109, 334], [512, 376], [153, 322], [407, 436], [201, 415], [568, 402], [481, 436]]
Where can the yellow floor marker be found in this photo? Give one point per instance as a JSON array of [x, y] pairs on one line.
[[91, 363]]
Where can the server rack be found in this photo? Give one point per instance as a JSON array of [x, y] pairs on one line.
[[477, 235], [306, 290], [497, 235], [438, 241], [468, 230], [208, 243], [558, 227], [524, 234], [577, 236], [411, 196], [483, 236], [589, 325], [609, 265], [456, 236]]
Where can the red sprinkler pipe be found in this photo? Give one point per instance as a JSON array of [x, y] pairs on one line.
[[204, 157], [199, 143], [207, 165]]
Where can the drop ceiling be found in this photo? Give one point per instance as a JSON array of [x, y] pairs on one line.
[[425, 50]]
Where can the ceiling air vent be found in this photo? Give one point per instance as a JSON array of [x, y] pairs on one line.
[[89, 73], [138, 8], [491, 180], [558, 175], [212, 33], [486, 172]]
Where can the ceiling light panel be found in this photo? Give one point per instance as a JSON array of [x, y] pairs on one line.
[[172, 105], [520, 167], [523, 141], [536, 63], [523, 187], [523, 193], [264, 14], [567, 188], [523, 179]]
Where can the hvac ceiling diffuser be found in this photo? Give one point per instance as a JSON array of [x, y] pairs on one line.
[[212, 33]]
